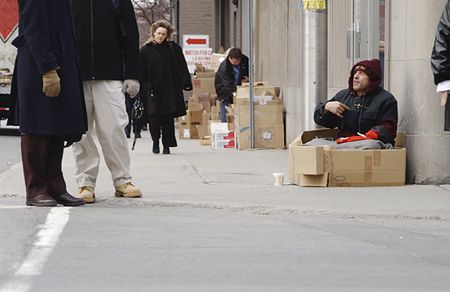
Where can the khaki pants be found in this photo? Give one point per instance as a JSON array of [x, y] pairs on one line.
[[107, 117]]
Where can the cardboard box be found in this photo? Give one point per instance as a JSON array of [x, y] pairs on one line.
[[203, 85], [325, 166], [262, 90], [184, 131], [187, 125], [216, 60], [221, 137], [194, 106], [195, 118], [205, 141], [206, 74], [203, 131], [270, 113], [266, 136]]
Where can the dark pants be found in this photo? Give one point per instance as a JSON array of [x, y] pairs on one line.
[[41, 159], [163, 124]]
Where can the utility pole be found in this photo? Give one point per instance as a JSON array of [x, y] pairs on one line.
[[314, 59]]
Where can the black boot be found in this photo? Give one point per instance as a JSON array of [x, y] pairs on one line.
[[166, 150], [67, 199], [155, 147]]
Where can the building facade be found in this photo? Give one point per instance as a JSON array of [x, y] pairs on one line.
[[398, 32]]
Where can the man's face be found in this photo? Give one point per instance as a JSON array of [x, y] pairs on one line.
[[360, 80], [234, 61]]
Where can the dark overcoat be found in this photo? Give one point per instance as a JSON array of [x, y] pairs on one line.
[[163, 76], [45, 42], [440, 56]]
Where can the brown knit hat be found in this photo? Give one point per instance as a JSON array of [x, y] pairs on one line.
[[373, 69]]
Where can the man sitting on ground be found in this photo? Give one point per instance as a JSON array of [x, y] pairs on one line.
[[365, 114]]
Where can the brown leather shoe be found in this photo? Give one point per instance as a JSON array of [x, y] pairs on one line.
[[42, 200], [67, 199]]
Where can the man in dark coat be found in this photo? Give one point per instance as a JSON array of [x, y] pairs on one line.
[[108, 45], [440, 61], [363, 111], [231, 73], [47, 98]]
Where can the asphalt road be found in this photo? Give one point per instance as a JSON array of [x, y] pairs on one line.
[[130, 245]]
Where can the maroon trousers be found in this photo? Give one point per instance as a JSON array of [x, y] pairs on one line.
[[41, 159]]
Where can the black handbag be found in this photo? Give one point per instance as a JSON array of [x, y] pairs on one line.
[[137, 110]]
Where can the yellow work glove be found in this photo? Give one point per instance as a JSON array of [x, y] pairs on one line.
[[51, 85]]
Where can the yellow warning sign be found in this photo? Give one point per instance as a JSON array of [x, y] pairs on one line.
[[314, 4]]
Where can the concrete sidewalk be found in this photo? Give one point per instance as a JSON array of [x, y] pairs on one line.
[[197, 176]]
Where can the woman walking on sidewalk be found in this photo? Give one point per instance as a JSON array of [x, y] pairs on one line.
[[163, 76]]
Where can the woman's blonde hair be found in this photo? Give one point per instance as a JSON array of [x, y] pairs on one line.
[[160, 23]]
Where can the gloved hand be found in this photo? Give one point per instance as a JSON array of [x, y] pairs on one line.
[[131, 87], [51, 85], [371, 134]]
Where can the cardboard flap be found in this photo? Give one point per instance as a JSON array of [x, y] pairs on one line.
[[319, 133], [310, 159]]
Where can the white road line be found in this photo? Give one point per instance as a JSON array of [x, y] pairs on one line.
[[15, 207], [45, 241]]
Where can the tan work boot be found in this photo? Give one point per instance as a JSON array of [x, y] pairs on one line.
[[128, 190], [87, 194]]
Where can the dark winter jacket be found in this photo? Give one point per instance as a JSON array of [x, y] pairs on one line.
[[440, 57], [375, 110], [104, 53], [224, 79], [163, 76], [46, 42]]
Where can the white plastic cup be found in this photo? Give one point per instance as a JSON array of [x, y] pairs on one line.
[[279, 178]]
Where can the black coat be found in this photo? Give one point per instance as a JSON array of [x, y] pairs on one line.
[[46, 42], [378, 111], [104, 53], [224, 79], [440, 56], [163, 76]]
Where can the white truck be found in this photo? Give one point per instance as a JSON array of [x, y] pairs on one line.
[[8, 31]]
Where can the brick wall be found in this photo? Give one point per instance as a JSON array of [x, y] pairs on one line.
[[199, 17]]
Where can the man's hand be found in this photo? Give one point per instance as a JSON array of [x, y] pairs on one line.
[[336, 107], [131, 87], [444, 96], [51, 85]]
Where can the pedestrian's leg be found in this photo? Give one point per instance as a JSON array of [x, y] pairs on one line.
[[223, 111], [55, 179], [34, 149], [87, 158], [155, 131], [168, 131], [111, 119]]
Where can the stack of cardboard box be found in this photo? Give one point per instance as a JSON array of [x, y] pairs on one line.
[[188, 124], [267, 113], [195, 125]]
